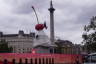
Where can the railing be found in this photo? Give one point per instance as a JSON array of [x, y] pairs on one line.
[[30, 61], [14, 58]]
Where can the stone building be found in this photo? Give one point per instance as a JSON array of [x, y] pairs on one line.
[[21, 42], [24, 43], [68, 47]]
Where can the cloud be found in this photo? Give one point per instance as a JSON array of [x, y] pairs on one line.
[[24, 6], [70, 16]]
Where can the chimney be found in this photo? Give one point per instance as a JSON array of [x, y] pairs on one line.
[[21, 33], [32, 34], [1, 34]]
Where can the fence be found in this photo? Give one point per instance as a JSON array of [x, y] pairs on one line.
[[30, 61], [14, 58]]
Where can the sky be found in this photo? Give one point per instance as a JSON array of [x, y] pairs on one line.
[[70, 17]]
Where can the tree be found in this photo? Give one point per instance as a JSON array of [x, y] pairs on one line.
[[89, 37], [59, 47], [4, 47]]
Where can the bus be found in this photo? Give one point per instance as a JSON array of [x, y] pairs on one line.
[[90, 59]]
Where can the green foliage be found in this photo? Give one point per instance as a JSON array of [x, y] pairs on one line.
[[4, 47], [89, 38]]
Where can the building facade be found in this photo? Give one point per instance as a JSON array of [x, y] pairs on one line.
[[21, 43], [68, 47], [24, 43]]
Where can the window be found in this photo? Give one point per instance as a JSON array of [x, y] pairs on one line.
[[93, 58]]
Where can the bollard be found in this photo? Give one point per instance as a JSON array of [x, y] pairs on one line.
[[39, 60], [26, 61], [35, 60], [43, 61], [46, 60], [31, 61], [52, 60], [5, 61], [13, 61], [20, 61]]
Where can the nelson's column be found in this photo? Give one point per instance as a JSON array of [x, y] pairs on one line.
[[51, 9]]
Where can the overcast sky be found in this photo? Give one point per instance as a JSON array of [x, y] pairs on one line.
[[70, 16]]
